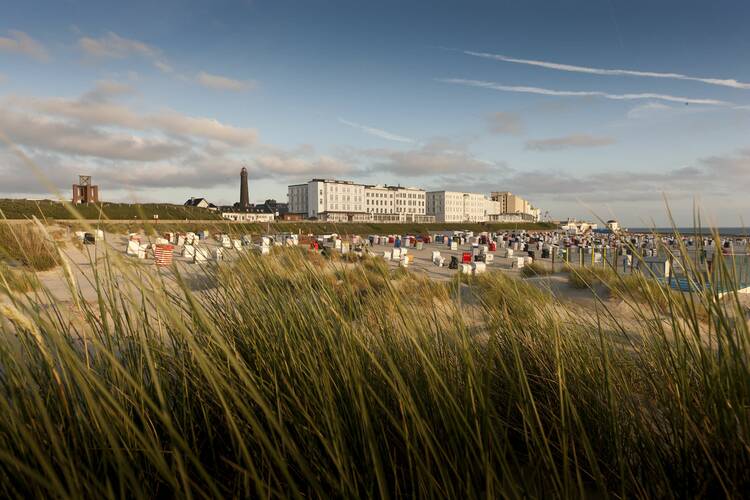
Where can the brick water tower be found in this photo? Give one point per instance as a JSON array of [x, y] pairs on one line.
[[84, 191]]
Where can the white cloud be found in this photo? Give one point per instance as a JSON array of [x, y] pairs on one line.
[[19, 42], [95, 109], [206, 128], [648, 109], [294, 166], [104, 90], [219, 82], [610, 72], [43, 133], [568, 142], [581, 93], [163, 67], [439, 156], [123, 148], [376, 132], [715, 178], [113, 46], [505, 123]]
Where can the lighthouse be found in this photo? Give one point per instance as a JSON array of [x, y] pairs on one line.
[[244, 196]]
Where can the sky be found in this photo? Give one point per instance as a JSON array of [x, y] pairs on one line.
[[587, 108]]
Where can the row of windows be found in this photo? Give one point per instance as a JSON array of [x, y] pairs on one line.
[[386, 211], [414, 203], [345, 207], [371, 194], [343, 189], [356, 199]]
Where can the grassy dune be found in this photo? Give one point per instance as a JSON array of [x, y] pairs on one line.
[[314, 227], [48, 209], [287, 376]]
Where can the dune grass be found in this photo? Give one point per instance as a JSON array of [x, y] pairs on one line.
[[28, 245], [535, 269], [17, 280], [642, 290], [587, 277], [299, 378]]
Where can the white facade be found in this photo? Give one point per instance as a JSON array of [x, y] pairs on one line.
[[332, 196], [328, 199], [455, 206], [248, 217], [404, 202], [342, 201], [379, 200]]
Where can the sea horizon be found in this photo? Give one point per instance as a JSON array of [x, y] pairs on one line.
[[724, 231]]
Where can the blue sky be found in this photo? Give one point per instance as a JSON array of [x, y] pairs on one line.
[[167, 100]]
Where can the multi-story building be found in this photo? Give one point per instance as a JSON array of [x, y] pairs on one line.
[[346, 201], [297, 197], [329, 200], [396, 204], [455, 206], [380, 201], [510, 203]]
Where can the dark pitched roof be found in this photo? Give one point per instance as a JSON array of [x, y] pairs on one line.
[[194, 202]]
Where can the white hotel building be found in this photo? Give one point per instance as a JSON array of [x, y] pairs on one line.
[[344, 201], [455, 206], [329, 200], [396, 204]]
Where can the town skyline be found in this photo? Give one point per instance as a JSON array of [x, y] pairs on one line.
[[591, 110]]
